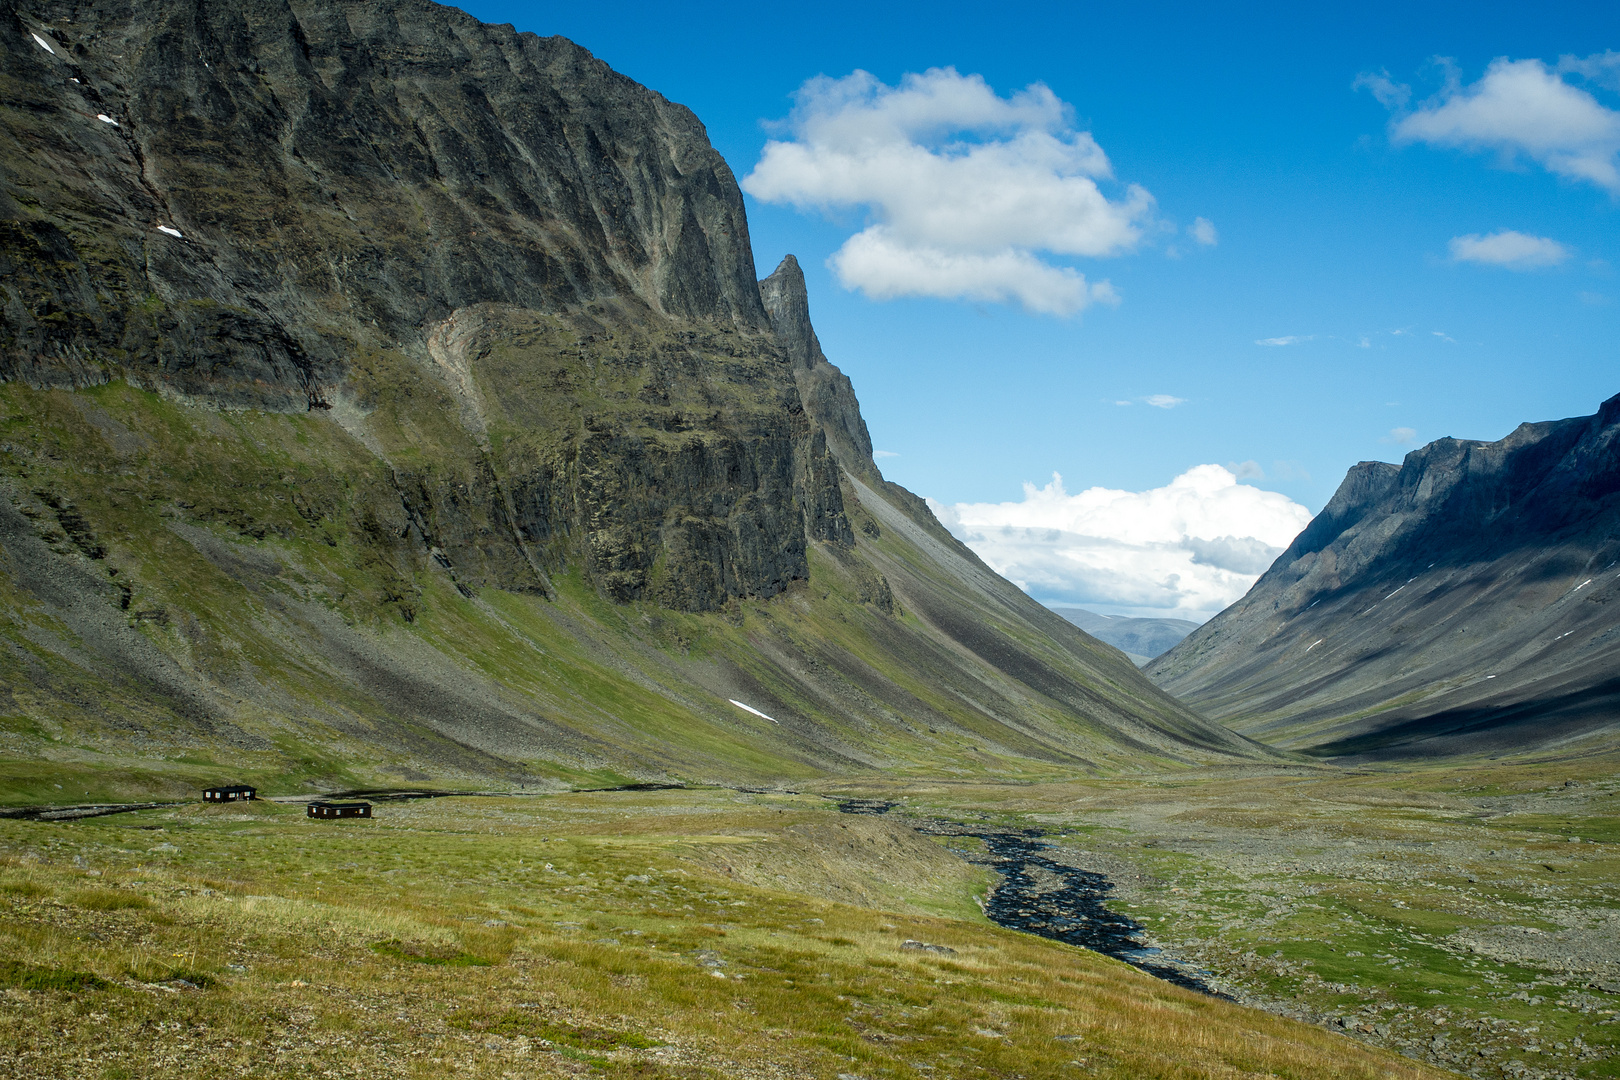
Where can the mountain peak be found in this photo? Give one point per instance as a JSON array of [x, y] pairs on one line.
[[787, 300], [1457, 603], [827, 393]]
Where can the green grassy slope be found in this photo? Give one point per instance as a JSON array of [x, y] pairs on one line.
[[191, 594]]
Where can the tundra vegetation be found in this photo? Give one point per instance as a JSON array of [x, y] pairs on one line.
[[1445, 917], [683, 933]]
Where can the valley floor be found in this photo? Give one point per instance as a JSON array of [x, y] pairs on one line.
[[687, 933], [1464, 916]]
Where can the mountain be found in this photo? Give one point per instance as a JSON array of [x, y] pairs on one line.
[[1463, 602], [385, 394], [1139, 639]]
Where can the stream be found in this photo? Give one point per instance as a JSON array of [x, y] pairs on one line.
[[1040, 896]]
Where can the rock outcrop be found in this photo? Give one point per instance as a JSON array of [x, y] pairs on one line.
[[277, 187], [1463, 601], [828, 395]]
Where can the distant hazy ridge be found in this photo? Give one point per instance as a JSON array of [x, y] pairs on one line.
[[1139, 639]]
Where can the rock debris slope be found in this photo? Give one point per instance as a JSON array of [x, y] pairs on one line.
[[387, 394], [1463, 602]]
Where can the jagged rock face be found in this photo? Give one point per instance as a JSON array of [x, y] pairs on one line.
[[1463, 601], [341, 174], [828, 395], [678, 464], [400, 177]]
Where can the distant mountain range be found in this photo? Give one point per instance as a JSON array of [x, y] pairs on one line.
[[1466, 601], [1139, 639]]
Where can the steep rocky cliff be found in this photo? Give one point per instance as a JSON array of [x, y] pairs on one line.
[[1461, 602], [383, 390], [243, 192], [238, 203]]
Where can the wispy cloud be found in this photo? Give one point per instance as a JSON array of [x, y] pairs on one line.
[[885, 453], [1203, 230], [1246, 470], [1289, 470], [1390, 94], [1443, 336], [1163, 401], [1292, 339], [970, 193], [1508, 249], [1186, 549], [1401, 436], [1521, 110]]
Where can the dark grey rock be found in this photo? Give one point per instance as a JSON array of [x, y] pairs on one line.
[[828, 395], [339, 172], [1461, 602]]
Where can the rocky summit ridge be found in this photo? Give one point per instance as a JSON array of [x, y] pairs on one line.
[[385, 394], [1463, 602]]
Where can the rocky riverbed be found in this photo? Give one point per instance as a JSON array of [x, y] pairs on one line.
[[1041, 896], [1469, 920]]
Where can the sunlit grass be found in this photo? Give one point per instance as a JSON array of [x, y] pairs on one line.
[[613, 932]]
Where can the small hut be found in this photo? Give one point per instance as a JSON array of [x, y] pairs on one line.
[[324, 809], [230, 793]]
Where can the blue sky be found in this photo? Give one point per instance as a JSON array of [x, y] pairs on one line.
[[1335, 228]]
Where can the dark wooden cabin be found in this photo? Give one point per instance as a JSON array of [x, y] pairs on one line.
[[323, 809], [230, 793]]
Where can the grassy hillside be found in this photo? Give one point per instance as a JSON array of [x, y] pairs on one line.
[[190, 594]]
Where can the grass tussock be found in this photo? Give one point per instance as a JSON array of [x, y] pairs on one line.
[[21, 976], [108, 900], [418, 953]]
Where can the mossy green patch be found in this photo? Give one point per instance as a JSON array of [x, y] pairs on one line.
[[26, 976]]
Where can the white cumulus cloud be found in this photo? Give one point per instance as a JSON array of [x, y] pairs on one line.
[[1521, 109], [968, 192], [1509, 249], [1185, 550]]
